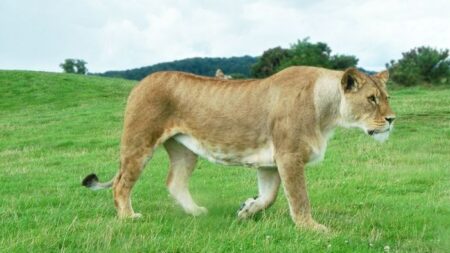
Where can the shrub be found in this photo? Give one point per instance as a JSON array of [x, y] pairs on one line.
[[76, 66], [269, 62], [422, 64], [303, 52]]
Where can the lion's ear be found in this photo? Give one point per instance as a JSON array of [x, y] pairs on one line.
[[383, 76], [350, 81]]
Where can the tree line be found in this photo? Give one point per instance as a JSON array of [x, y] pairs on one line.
[[417, 66], [237, 67]]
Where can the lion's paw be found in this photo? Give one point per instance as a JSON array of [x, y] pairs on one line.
[[314, 226], [124, 216], [320, 228], [248, 208], [136, 216]]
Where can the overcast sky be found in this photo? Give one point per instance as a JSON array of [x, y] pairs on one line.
[[119, 34]]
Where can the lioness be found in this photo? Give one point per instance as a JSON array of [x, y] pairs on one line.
[[276, 125], [221, 75]]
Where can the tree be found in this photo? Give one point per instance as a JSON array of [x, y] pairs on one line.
[[306, 53], [80, 65], [342, 62], [422, 64], [76, 66], [303, 52], [68, 66], [269, 62]]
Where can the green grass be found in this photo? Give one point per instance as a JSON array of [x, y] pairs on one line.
[[57, 128]]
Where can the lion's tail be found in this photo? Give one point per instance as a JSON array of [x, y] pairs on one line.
[[91, 182]]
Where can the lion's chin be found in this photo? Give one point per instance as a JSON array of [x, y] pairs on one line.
[[381, 137]]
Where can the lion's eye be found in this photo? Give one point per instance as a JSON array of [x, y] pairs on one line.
[[372, 99]]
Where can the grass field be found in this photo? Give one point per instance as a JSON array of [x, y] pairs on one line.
[[57, 128]]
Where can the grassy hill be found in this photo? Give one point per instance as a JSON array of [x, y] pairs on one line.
[[56, 128]]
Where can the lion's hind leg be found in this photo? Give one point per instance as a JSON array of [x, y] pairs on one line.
[[182, 164], [132, 164], [268, 185], [137, 146]]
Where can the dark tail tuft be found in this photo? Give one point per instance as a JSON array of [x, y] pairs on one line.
[[90, 180]]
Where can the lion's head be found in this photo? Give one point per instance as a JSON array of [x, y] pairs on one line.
[[365, 103]]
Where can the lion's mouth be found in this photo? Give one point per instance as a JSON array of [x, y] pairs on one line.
[[372, 132], [380, 136]]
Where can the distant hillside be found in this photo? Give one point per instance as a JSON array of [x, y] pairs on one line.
[[55, 92], [239, 66]]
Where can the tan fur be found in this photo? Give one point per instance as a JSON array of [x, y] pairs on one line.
[[286, 118]]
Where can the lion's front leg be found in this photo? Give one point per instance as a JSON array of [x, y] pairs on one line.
[[268, 184], [292, 172]]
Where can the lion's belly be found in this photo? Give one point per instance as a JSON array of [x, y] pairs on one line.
[[257, 157]]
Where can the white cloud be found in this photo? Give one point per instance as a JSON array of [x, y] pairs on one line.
[[114, 34]]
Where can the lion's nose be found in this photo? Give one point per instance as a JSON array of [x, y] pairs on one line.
[[390, 119]]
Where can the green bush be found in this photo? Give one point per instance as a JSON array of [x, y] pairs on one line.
[[269, 62], [75, 66], [306, 53], [303, 53], [422, 64]]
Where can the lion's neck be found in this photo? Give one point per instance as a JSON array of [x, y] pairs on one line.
[[327, 101]]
